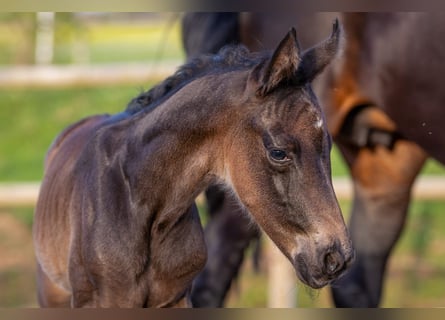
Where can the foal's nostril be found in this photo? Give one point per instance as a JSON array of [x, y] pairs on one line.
[[333, 262]]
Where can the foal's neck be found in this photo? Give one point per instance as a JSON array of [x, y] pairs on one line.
[[181, 143]]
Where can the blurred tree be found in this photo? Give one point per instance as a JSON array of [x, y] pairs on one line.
[[21, 28]]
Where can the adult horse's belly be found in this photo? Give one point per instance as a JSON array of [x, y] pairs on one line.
[[402, 70]]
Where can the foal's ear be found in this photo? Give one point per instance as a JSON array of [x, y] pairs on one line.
[[314, 60], [281, 66]]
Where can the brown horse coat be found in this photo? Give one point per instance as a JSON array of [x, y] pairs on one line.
[[116, 223]]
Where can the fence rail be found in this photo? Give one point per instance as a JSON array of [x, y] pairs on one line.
[[51, 76], [425, 188], [19, 194]]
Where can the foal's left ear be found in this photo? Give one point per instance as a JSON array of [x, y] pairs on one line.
[[282, 65]]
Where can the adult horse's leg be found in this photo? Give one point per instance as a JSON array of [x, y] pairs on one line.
[[207, 32], [228, 233], [383, 180]]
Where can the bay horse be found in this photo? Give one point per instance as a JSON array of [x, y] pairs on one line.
[[383, 104], [116, 224]]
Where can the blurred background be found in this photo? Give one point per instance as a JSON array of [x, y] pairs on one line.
[[57, 68]]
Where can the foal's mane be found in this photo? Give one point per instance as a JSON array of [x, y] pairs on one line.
[[229, 58]]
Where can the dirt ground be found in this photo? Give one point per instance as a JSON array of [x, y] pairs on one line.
[[17, 284]]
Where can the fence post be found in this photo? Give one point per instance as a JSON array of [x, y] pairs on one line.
[[282, 280], [44, 49]]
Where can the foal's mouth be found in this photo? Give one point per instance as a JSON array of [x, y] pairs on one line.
[[314, 277]]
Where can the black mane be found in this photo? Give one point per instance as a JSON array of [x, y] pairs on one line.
[[231, 57]]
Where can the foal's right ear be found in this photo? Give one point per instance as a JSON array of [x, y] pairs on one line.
[[281, 66], [317, 58]]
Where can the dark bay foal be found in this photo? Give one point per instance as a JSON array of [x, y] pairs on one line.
[[116, 224]]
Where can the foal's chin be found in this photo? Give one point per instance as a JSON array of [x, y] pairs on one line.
[[313, 276], [314, 283]]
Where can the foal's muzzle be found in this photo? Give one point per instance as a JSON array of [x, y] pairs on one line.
[[329, 264]]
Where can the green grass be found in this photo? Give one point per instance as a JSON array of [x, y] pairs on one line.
[[432, 167], [18, 289], [104, 43], [31, 119], [153, 42]]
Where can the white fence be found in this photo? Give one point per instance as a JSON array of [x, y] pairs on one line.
[[425, 188], [53, 76]]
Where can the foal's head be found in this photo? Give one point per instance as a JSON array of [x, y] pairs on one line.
[[277, 159]]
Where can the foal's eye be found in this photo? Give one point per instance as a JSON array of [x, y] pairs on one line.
[[278, 155]]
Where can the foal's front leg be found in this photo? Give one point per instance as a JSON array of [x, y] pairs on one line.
[[228, 234], [383, 180], [175, 253]]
